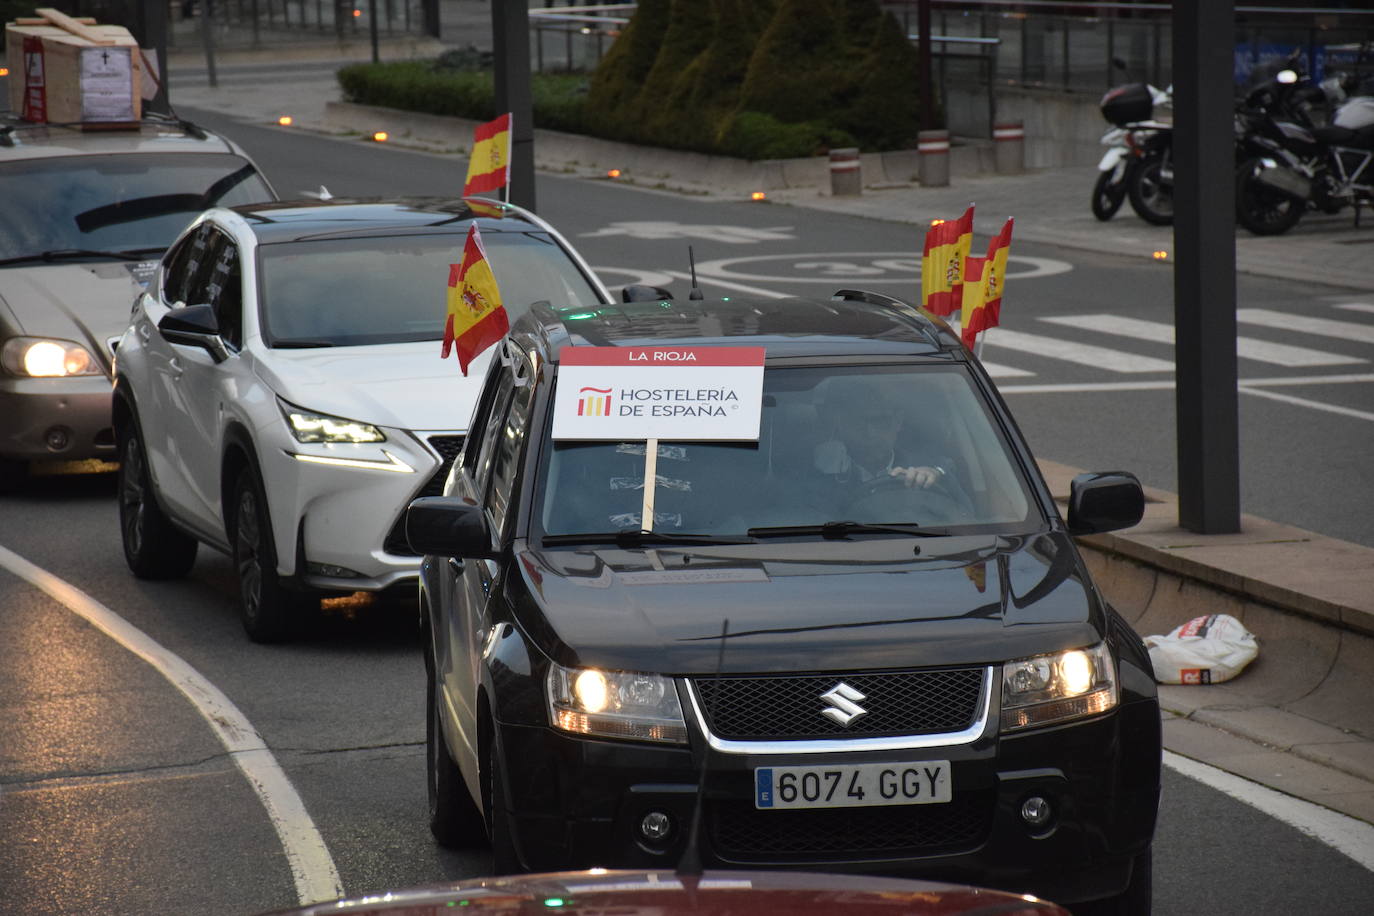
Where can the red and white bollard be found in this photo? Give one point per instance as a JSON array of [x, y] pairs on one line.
[[845, 174], [1009, 138], [933, 147]]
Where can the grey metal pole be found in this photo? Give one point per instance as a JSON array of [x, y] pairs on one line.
[[1205, 269], [154, 37], [510, 21], [372, 30], [207, 40]]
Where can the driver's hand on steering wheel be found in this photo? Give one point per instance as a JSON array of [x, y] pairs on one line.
[[922, 476]]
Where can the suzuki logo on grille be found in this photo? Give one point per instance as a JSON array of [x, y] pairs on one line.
[[844, 706]]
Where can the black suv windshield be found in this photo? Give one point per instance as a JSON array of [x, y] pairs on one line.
[[125, 202], [393, 288], [896, 446]]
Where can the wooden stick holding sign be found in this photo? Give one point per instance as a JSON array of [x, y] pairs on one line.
[[649, 394], [646, 517]]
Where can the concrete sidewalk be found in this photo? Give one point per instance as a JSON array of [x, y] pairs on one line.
[[1301, 718]]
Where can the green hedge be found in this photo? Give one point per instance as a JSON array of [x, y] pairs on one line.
[[753, 79]]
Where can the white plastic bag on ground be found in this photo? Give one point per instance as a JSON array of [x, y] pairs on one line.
[[1205, 650]]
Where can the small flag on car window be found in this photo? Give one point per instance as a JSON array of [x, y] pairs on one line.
[[489, 167], [942, 263], [476, 317]]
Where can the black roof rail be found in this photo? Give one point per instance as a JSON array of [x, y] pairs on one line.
[[863, 295]]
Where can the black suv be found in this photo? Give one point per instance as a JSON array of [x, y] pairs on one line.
[[862, 642]]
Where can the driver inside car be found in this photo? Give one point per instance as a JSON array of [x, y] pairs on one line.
[[869, 444]]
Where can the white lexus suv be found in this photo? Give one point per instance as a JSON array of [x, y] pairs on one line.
[[280, 395]]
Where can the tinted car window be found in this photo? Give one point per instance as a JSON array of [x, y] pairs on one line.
[[392, 288], [828, 441], [124, 202]]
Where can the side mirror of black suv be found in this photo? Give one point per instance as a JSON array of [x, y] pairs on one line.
[[447, 526], [1105, 501]]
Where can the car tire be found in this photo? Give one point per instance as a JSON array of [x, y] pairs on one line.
[[270, 611], [504, 859], [454, 819], [153, 547], [13, 473], [1135, 900]]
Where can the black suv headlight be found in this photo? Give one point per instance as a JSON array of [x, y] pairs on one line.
[[1053, 688], [615, 704]]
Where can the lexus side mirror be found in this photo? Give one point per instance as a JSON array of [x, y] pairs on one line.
[[194, 326]]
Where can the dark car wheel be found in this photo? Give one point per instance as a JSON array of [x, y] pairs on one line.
[[13, 473], [1135, 900], [1264, 210], [1152, 197], [454, 819], [1108, 195], [504, 860], [270, 611], [153, 547]]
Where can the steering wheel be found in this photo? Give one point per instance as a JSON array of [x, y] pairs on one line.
[[890, 499]]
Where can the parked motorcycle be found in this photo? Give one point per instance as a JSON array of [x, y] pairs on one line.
[[1290, 161], [1137, 144]]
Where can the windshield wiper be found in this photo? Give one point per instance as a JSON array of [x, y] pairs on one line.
[[633, 537], [300, 344], [843, 529], [68, 254]]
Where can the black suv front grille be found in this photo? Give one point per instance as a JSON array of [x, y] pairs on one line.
[[741, 833], [448, 448], [790, 707]]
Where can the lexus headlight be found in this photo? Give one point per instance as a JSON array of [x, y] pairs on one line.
[[309, 426], [1054, 688], [615, 704], [42, 357]]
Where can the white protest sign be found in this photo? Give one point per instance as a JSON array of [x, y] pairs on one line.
[[647, 393]]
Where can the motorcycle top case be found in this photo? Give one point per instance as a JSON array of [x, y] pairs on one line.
[[1127, 104]]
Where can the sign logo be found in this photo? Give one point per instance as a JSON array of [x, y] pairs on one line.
[[844, 707], [597, 404]]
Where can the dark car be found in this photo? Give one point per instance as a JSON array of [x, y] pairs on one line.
[[664, 893], [860, 640]]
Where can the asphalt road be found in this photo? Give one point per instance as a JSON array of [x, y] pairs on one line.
[[116, 796]]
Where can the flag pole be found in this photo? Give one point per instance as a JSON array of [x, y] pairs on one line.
[[646, 518]]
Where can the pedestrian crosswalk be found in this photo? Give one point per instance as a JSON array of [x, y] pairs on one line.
[[1305, 343]]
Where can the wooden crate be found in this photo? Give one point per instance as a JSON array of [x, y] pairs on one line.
[[73, 71]]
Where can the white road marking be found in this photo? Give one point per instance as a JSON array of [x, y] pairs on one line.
[[853, 267], [312, 867], [1083, 354], [997, 370], [1346, 835], [728, 284], [1357, 306], [1326, 327], [1246, 385], [1246, 347], [735, 235], [1304, 402]]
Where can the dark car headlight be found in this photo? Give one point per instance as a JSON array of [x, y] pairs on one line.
[[1046, 689], [47, 357], [615, 704]]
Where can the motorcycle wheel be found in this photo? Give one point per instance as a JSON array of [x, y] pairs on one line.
[[1152, 198], [1107, 196], [1263, 210]]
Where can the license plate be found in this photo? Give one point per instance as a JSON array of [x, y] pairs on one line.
[[859, 785]]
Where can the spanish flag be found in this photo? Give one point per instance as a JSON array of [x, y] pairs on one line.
[[984, 280], [476, 318], [489, 167], [942, 263]]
